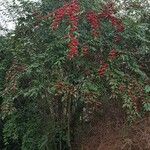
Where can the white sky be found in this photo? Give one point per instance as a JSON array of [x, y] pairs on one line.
[[6, 18]]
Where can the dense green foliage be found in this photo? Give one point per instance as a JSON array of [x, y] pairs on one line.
[[45, 96]]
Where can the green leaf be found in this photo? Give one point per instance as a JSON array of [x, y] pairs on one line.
[[147, 106], [143, 39], [147, 88]]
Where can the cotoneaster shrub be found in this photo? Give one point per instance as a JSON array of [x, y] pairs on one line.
[[65, 60]]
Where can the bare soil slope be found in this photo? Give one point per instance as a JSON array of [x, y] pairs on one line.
[[111, 132]]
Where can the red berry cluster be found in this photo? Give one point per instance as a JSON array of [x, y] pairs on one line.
[[58, 17], [108, 13], [85, 50], [118, 38], [71, 10], [122, 88], [73, 46], [117, 23], [103, 69], [92, 17], [109, 8], [134, 100], [112, 55]]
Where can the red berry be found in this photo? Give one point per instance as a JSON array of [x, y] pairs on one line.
[[103, 69]]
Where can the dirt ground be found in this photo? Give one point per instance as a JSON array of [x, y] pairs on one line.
[[122, 137], [113, 133]]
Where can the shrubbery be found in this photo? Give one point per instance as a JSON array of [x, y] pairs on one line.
[[63, 58]]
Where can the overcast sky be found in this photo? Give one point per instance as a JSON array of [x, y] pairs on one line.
[[6, 19]]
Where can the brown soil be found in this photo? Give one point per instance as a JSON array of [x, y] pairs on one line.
[[123, 137], [112, 133]]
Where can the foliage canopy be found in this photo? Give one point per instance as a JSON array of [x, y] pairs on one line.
[[64, 59]]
